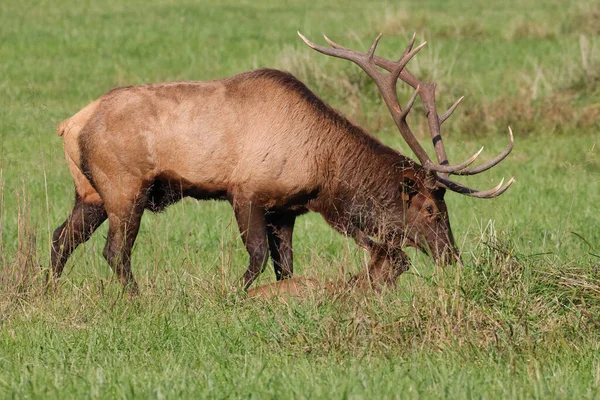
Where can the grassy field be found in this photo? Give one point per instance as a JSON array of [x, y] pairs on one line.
[[520, 319]]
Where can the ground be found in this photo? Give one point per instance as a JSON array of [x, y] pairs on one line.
[[520, 319]]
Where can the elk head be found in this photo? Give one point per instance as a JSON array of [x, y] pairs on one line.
[[427, 223]]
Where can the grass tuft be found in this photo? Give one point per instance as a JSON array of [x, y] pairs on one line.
[[587, 18], [519, 319], [20, 276]]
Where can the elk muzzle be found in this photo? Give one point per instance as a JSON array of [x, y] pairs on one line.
[[440, 245]]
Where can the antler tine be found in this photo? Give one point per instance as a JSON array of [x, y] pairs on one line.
[[329, 41], [337, 46], [503, 189], [448, 113], [410, 45], [453, 169], [492, 162], [360, 59], [410, 103], [371, 52], [401, 64], [335, 51], [482, 194]]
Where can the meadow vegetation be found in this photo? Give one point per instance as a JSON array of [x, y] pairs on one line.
[[520, 318]]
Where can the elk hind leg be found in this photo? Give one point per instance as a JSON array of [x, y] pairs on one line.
[[124, 224], [84, 219]]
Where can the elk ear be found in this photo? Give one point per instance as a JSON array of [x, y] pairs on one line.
[[409, 189]]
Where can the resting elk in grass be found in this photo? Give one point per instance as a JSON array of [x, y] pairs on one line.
[[264, 142]]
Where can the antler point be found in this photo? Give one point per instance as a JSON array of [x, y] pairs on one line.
[[308, 42], [419, 47]]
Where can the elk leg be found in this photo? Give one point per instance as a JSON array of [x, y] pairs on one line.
[[362, 239], [84, 219], [386, 264], [124, 225], [251, 221], [280, 228]]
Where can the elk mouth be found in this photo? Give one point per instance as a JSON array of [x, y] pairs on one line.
[[417, 245], [445, 255]]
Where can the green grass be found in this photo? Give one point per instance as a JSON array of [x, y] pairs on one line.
[[521, 319]]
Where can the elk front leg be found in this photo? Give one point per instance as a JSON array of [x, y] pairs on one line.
[[251, 221], [362, 239], [386, 265], [280, 228], [84, 219]]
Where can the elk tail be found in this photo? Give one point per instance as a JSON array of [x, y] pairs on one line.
[[63, 127]]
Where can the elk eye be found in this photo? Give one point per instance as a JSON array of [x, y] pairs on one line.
[[429, 209]]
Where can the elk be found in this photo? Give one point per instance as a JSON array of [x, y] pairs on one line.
[[267, 144]]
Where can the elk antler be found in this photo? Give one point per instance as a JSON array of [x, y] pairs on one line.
[[426, 90]]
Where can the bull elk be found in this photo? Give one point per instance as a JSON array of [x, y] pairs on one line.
[[267, 144]]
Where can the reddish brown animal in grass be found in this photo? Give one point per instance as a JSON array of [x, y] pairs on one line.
[[264, 142], [303, 287]]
